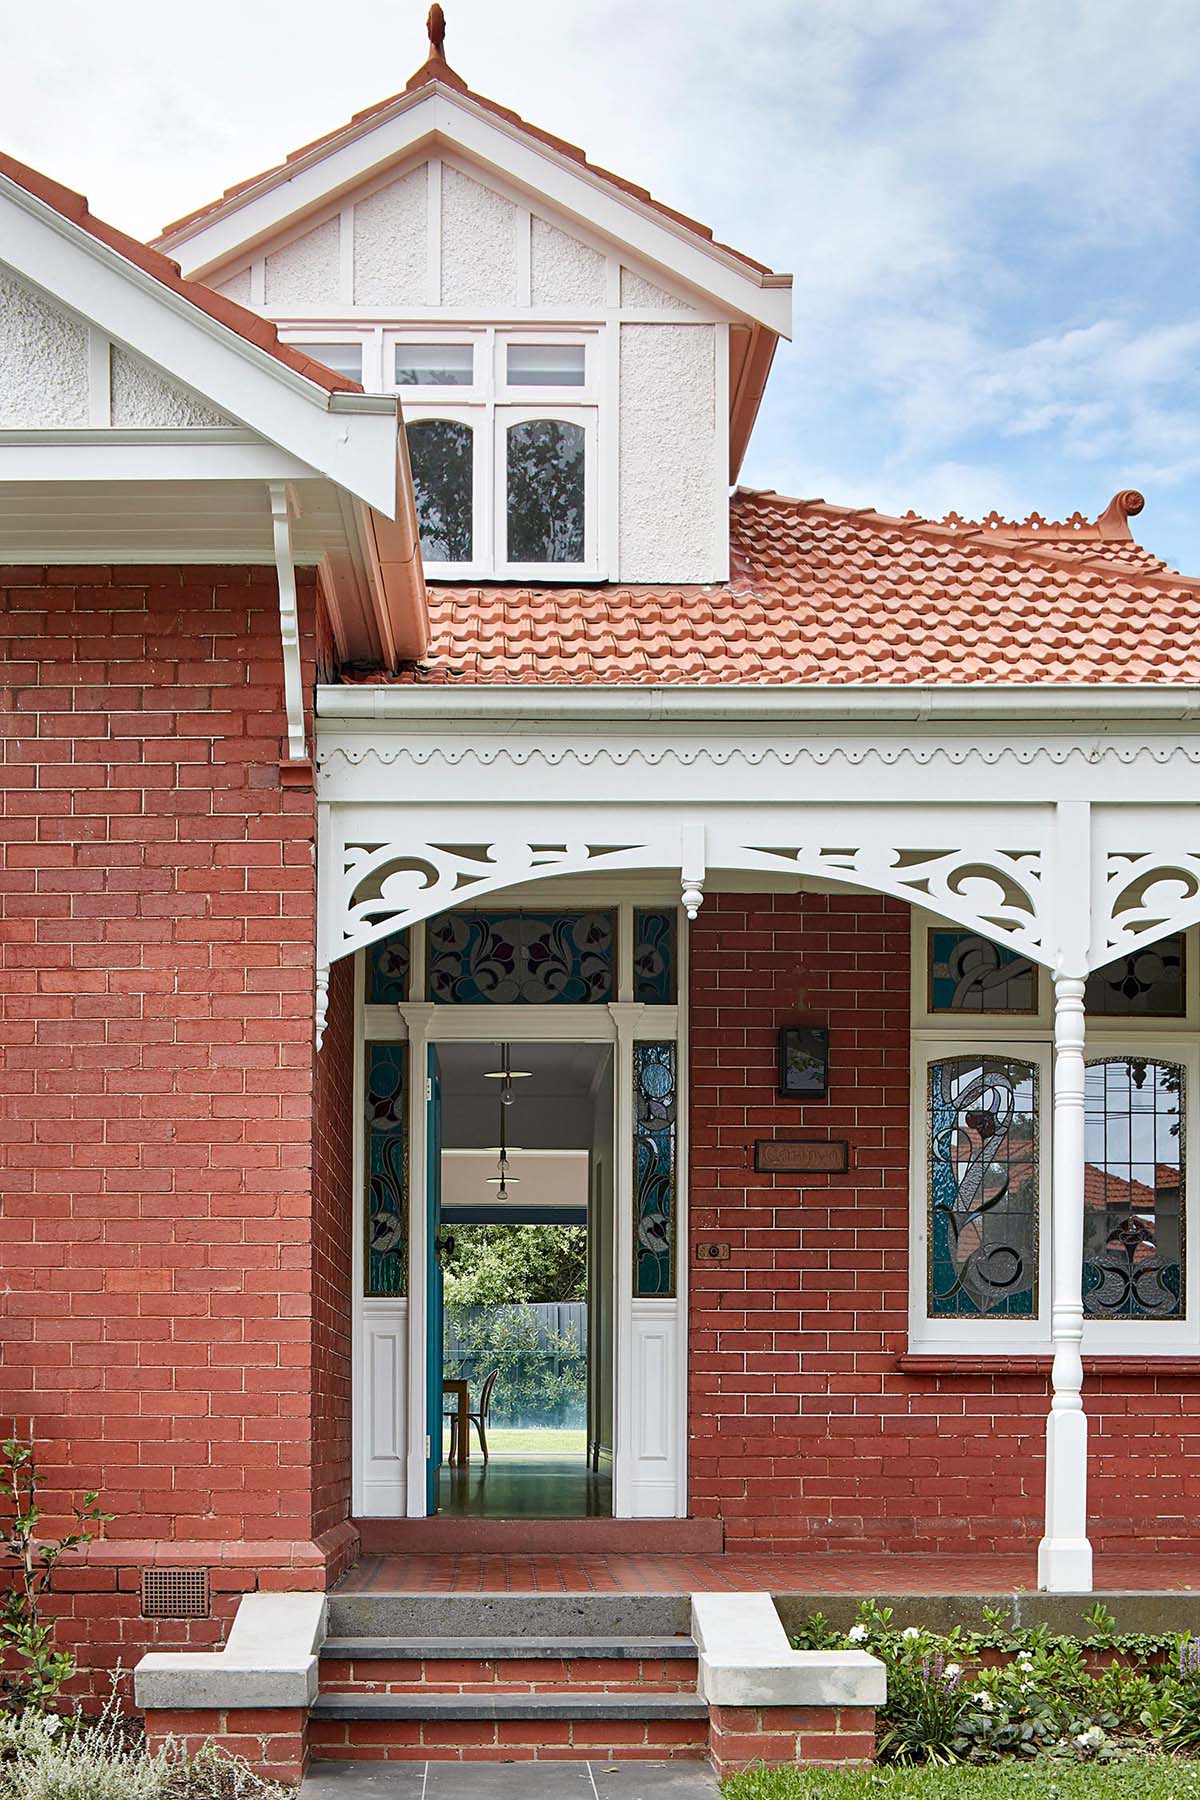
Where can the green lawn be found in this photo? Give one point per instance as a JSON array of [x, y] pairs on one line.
[[1154, 1779], [505, 1440]]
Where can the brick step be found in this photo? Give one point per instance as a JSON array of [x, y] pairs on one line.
[[406, 1665], [508, 1727]]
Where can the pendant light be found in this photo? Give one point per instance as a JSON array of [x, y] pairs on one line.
[[506, 1075]]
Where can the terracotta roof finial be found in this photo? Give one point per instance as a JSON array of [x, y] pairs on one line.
[[1114, 520], [435, 25]]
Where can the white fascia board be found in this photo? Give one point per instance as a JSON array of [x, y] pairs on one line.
[[353, 443], [1093, 703], [151, 456], [544, 173]]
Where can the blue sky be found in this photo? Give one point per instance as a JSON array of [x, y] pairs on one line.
[[989, 207]]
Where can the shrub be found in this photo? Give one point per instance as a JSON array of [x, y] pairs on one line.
[[25, 1633], [44, 1757]]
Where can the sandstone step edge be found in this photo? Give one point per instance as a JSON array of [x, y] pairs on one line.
[[574, 1705]]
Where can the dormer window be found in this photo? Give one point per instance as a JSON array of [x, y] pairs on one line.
[[502, 439]]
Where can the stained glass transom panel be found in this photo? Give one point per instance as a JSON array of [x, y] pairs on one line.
[[513, 959], [386, 1120], [983, 1188], [655, 1172], [968, 973], [654, 956], [1134, 1213], [1147, 983], [387, 971]]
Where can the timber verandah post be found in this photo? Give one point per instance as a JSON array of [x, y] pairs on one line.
[[1065, 1553]]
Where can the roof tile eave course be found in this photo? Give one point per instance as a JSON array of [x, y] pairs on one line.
[[829, 596]]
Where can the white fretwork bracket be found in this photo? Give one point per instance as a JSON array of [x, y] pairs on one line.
[[289, 620]]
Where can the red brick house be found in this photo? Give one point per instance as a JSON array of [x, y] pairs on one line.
[[831, 880]]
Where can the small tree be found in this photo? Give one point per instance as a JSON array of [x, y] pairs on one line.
[[25, 1632]]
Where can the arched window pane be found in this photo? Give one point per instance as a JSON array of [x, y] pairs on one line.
[[545, 492], [1133, 1221], [983, 1188], [442, 454]]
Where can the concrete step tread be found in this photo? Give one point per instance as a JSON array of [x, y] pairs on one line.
[[578, 1704], [506, 1649]]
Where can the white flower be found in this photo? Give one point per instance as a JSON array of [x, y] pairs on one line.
[[952, 1671], [1023, 1656], [51, 1724], [910, 1631], [986, 1703], [857, 1634]]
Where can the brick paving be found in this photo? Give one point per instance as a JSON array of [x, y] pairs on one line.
[[782, 1574]]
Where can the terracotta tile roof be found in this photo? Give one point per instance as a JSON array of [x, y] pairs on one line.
[[833, 594], [246, 324], [436, 70]]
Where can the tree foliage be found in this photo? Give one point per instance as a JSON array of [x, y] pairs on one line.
[[502, 1265]]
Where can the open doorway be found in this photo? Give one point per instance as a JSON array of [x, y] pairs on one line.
[[526, 1271]]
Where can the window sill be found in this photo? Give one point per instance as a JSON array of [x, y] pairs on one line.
[[914, 1363]]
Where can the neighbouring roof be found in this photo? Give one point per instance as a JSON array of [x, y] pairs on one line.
[[437, 71], [249, 325], [833, 594]]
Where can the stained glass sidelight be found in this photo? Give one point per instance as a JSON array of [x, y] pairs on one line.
[[442, 452], [968, 973], [1146, 983], [1133, 1222], [387, 971], [983, 1188], [386, 1120], [546, 491], [516, 958], [654, 1170], [654, 956]]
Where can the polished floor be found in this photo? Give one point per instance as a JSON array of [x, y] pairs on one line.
[[737, 1572], [511, 1487]]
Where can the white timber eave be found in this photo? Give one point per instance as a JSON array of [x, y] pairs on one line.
[[438, 116], [348, 438]]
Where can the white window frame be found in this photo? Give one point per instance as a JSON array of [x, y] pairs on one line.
[[982, 1336], [506, 416], [1031, 1036], [488, 406], [1162, 1337], [323, 336]]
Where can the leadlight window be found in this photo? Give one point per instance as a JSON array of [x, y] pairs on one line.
[[522, 958], [1148, 983], [983, 1188], [1134, 1209], [385, 1237], [655, 1172], [968, 973], [442, 455], [547, 491], [387, 970], [654, 981]]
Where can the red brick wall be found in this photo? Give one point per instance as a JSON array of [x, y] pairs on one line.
[[333, 1275], [157, 905], [804, 1429]]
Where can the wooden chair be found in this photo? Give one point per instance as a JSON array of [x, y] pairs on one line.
[[480, 1419]]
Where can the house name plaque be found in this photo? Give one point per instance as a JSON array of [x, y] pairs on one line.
[[810, 1156]]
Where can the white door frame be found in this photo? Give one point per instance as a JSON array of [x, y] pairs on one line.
[[650, 1347]]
